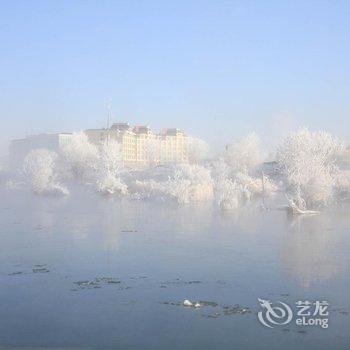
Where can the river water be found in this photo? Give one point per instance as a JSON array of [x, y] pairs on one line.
[[93, 272]]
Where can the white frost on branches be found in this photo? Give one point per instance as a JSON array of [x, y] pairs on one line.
[[237, 176], [39, 169], [245, 155], [81, 157], [185, 184], [307, 161], [198, 150], [108, 168], [99, 166], [307, 164]]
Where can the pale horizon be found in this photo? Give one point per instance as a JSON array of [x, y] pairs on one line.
[[218, 71]]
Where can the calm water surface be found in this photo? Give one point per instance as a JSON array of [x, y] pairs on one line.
[[144, 258]]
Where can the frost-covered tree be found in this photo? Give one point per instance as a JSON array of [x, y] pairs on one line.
[[80, 156], [97, 165], [39, 169], [109, 167], [243, 156], [307, 161], [198, 150], [237, 176]]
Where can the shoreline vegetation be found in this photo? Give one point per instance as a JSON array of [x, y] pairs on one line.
[[305, 168]]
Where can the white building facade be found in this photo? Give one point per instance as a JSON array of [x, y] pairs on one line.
[[21, 147]]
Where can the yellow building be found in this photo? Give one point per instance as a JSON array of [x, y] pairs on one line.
[[173, 146], [140, 147]]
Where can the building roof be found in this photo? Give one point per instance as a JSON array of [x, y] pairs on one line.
[[120, 126], [141, 129], [174, 132]]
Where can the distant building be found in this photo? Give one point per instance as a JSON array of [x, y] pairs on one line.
[[173, 146], [141, 147], [21, 147]]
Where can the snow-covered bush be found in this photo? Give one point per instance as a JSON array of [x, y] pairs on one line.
[[237, 175], [186, 183]]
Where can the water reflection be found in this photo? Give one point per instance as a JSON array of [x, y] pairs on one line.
[[308, 249], [234, 256]]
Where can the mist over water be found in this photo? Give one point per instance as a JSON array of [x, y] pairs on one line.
[[204, 205], [305, 169], [88, 271], [96, 255]]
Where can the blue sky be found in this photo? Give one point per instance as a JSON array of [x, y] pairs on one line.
[[218, 69]]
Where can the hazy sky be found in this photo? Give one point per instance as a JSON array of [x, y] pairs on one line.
[[218, 69]]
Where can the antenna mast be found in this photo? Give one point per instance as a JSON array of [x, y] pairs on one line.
[[109, 113]]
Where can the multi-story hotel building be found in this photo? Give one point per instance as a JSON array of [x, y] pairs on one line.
[[141, 147]]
